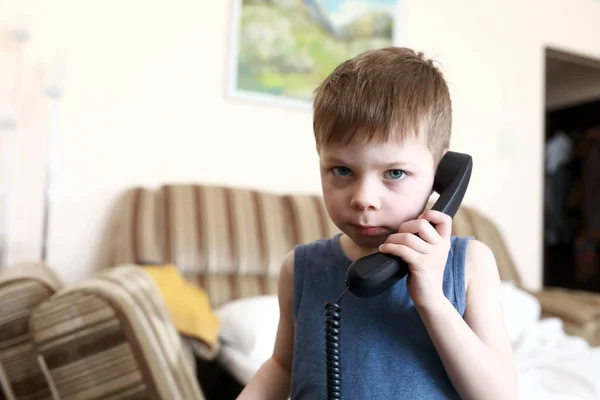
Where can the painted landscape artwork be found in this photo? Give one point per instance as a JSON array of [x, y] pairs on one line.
[[282, 49]]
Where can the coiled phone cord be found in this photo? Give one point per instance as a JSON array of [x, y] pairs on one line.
[[333, 362]]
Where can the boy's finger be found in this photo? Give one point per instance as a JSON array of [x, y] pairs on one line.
[[442, 222], [411, 240], [404, 252], [423, 228]]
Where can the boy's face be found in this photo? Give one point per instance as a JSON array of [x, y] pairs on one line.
[[371, 190]]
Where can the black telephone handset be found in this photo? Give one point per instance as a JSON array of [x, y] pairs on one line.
[[375, 273]]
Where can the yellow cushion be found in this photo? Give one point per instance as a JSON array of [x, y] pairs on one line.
[[188, 305]]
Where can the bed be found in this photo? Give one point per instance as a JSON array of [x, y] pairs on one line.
[[551, 364]]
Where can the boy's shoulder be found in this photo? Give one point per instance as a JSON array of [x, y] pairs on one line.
[[477, 251], [480, 262]]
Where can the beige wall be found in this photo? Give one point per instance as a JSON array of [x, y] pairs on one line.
[[145, 104]]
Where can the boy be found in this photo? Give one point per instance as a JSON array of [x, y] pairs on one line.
[[382, 123]]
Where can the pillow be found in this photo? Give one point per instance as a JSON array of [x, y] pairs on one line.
[[521, 310], [249, 325], [188, 306]]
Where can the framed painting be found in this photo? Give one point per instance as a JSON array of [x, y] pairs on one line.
[[282, 49]]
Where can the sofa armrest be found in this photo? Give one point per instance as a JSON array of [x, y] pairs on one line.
[[573, 305], [578, 310]]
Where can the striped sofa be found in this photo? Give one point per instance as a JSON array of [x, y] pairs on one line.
[[231, 240]]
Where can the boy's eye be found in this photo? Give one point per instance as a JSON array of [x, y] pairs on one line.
[[341, 171], [395, 174]]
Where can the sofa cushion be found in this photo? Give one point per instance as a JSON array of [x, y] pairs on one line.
[[222, 231]]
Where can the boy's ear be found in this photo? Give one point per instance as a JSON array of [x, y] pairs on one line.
[[441, 156]]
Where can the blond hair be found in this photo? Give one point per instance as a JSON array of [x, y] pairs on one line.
[[381, 95]]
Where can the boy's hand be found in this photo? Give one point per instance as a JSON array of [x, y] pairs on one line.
[[426, 254]]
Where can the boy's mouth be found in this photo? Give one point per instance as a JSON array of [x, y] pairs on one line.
[[368, 230]]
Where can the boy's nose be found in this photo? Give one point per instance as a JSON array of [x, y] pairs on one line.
[[365, 198]]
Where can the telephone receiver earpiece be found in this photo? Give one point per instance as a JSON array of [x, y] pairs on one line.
[[377, 272]]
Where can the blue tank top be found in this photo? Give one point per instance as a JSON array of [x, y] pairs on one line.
[[386, 352]]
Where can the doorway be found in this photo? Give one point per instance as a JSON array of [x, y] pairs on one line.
[[572, 172]]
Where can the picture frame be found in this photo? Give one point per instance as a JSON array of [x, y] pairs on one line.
[[280, 50]]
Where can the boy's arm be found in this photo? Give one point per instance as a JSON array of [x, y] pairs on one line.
[[475, 351], [272, 380]]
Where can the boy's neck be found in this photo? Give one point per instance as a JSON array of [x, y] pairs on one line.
[[352, 250]]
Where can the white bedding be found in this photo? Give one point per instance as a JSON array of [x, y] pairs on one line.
[[551, 364]]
